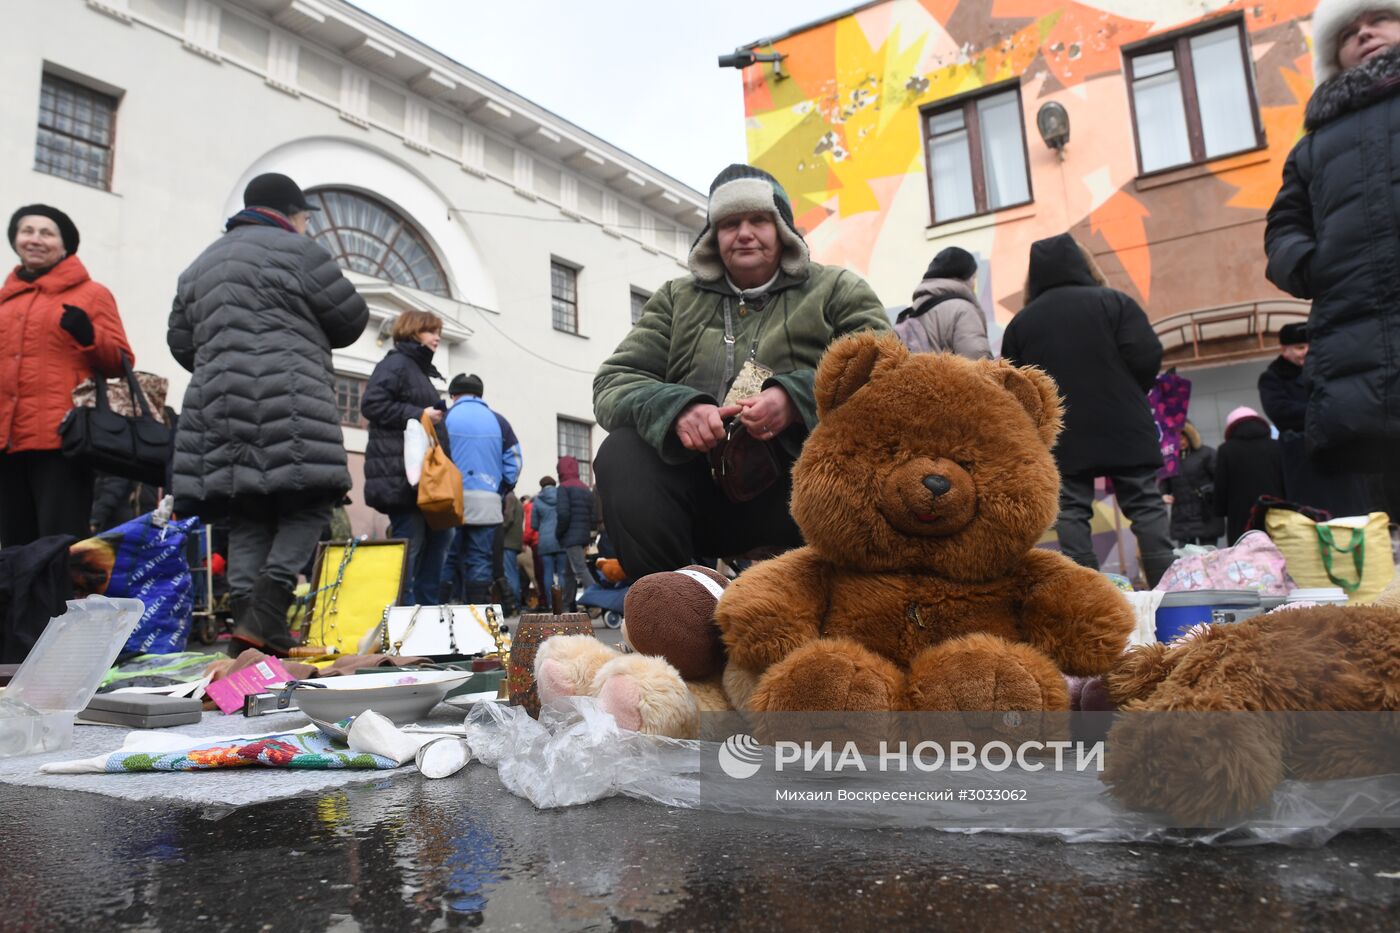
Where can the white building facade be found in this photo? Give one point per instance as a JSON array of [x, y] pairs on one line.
[[534, 240]]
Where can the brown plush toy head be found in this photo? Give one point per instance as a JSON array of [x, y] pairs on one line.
[[927, 462], [672, 615]]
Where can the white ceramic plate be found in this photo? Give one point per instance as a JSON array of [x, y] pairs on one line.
[[402, 696], [468, 700]]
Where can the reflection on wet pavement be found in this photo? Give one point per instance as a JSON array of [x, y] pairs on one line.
[[407, 854]]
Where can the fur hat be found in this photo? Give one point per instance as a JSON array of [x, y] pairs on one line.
[[737, 190], [66, 228], [1290, 334], [1329, 19], [1193, 437], [953, 262]]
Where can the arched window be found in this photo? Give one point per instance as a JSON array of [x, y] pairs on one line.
[[370, 237]]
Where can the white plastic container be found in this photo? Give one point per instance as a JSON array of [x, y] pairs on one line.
[[62, 672], [1322, 595]]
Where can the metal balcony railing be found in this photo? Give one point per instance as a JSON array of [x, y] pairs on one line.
[[1228, 333]]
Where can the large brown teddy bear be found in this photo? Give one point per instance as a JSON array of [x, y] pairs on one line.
[[921, 495], [1238, 680]]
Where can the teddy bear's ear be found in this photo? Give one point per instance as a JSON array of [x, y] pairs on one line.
[[1038, 395], [853, 361]]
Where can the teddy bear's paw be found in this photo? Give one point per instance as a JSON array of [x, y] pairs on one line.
[[831, 690], [830, 674], [1200, 769], [646, 694], [985, 673], [566, 665]]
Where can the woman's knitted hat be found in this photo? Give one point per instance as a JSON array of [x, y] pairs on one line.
[[66, 228], [1328, 21], [952, 262], [1242, 413], [737, 190]]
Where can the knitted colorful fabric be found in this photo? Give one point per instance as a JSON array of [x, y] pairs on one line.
[[302, 749]]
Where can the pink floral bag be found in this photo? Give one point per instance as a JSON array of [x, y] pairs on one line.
[[1254, 563]]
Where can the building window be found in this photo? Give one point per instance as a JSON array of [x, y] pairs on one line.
[[1193, 98], [563, 294], [76, 129], [976, 155], [639, 303], [371, 237], [576, 440], [348, 392]]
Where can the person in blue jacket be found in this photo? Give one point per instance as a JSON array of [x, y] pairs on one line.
[[487, 453]]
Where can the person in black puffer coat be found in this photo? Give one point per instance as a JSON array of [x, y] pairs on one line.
[[255, 319], [401, 390], [1333, 236], [1192, 492], [1099, 347], [1248, 465]]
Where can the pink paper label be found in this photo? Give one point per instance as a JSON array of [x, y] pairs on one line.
[[228, 692]]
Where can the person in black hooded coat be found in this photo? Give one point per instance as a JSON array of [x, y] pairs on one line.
[[1248, 465], [1099, 347], [1333, 236], [400, 390]]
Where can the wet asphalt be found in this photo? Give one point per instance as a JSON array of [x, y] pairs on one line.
[[408, 854]]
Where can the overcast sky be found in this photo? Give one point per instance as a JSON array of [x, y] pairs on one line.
[[641, 74]]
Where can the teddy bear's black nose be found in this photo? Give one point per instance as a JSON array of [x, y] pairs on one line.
[[937, 485]]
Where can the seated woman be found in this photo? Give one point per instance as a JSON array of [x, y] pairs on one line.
[[732, 347]]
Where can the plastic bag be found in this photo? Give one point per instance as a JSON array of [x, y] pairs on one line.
[[576, 754], [415, 448], [142, 560], [1253, 563]]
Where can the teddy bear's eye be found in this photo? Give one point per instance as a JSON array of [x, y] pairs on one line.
[[965, 464]]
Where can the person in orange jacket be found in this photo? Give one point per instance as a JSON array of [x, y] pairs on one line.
[[57, 327], [529, 557]]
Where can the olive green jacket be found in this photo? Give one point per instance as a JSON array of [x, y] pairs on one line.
[[675, 355]]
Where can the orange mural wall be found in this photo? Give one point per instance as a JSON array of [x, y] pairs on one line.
[[839, 124]]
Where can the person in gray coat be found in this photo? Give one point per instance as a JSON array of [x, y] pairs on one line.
[[945, 316], [255, 319]]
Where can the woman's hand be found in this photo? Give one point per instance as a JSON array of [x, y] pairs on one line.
[[768, 414], [701, 426], [76, 321], [433, 414]]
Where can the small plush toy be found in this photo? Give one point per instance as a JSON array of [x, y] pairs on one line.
[[672, 615], [661, 689], [1200, 770]]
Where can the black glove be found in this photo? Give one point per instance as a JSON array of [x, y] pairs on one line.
[[76, 321]]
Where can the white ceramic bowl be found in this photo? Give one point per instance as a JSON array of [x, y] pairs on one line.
[[402, 696]]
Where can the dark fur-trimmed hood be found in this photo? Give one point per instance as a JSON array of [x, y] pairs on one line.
[[1354, 89]]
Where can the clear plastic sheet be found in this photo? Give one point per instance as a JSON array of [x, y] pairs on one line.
[[577, 754]]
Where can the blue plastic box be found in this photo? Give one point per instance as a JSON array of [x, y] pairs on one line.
[[1182, 609]]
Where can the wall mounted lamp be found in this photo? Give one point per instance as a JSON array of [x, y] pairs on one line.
[[1053, 122]]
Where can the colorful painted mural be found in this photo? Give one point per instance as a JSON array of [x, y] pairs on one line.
[[839, 124]]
